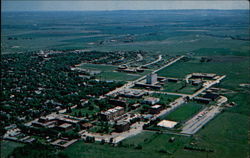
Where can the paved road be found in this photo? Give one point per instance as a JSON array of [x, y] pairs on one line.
[[132, 83], [140, 57], [208, 84], [198, 121], [160, 92], [203, 117], [157, 60]]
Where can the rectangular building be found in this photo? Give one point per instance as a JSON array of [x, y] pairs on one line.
[[151, 100], [151, 78], [112, 113]]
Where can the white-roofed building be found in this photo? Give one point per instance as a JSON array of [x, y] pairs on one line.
[[167, 123]]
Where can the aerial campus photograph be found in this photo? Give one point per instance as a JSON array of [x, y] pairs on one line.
[[125, 79]]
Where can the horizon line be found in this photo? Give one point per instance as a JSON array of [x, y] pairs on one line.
[[118, 10]]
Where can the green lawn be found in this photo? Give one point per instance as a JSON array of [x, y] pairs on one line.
[[151, 141], [165, 99], [227, 135], [177, 87], [7, 147], [184, 112]]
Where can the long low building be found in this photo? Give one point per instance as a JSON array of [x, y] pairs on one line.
[[147, 85], [151, 100], [203, 75], [131, 93], [58, 121]]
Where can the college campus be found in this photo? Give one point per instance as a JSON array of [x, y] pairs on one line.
[[125, 84]]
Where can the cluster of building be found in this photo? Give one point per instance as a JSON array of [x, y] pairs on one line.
[[207, 98], [125, 68], [123, 120], [59, 122], [14, 133], [152, 81], [132, 93], [110, 114], [197, 78]]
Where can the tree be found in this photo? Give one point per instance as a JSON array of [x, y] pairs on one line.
[[102, 141], [111, 140]]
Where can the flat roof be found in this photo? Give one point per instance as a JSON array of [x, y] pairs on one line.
[[65, 125], [156, 106], [167, 123], [151, 99]]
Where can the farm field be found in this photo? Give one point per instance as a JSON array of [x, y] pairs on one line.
[[109, 31]]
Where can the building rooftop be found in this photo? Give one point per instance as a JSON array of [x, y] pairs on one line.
[[156, 106], [151, 99], [204, 74], [113, 110], [167, 123], [65, 125]]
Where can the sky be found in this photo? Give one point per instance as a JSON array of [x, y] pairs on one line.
[[78, 5]]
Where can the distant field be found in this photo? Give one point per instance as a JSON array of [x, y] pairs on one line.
[[7, 147], [150, 31], [184, 112]]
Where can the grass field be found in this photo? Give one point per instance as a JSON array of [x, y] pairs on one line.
[[177, 87], [165, 99], [151, 145], [184, 112], [7, 147], [226, 134]]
